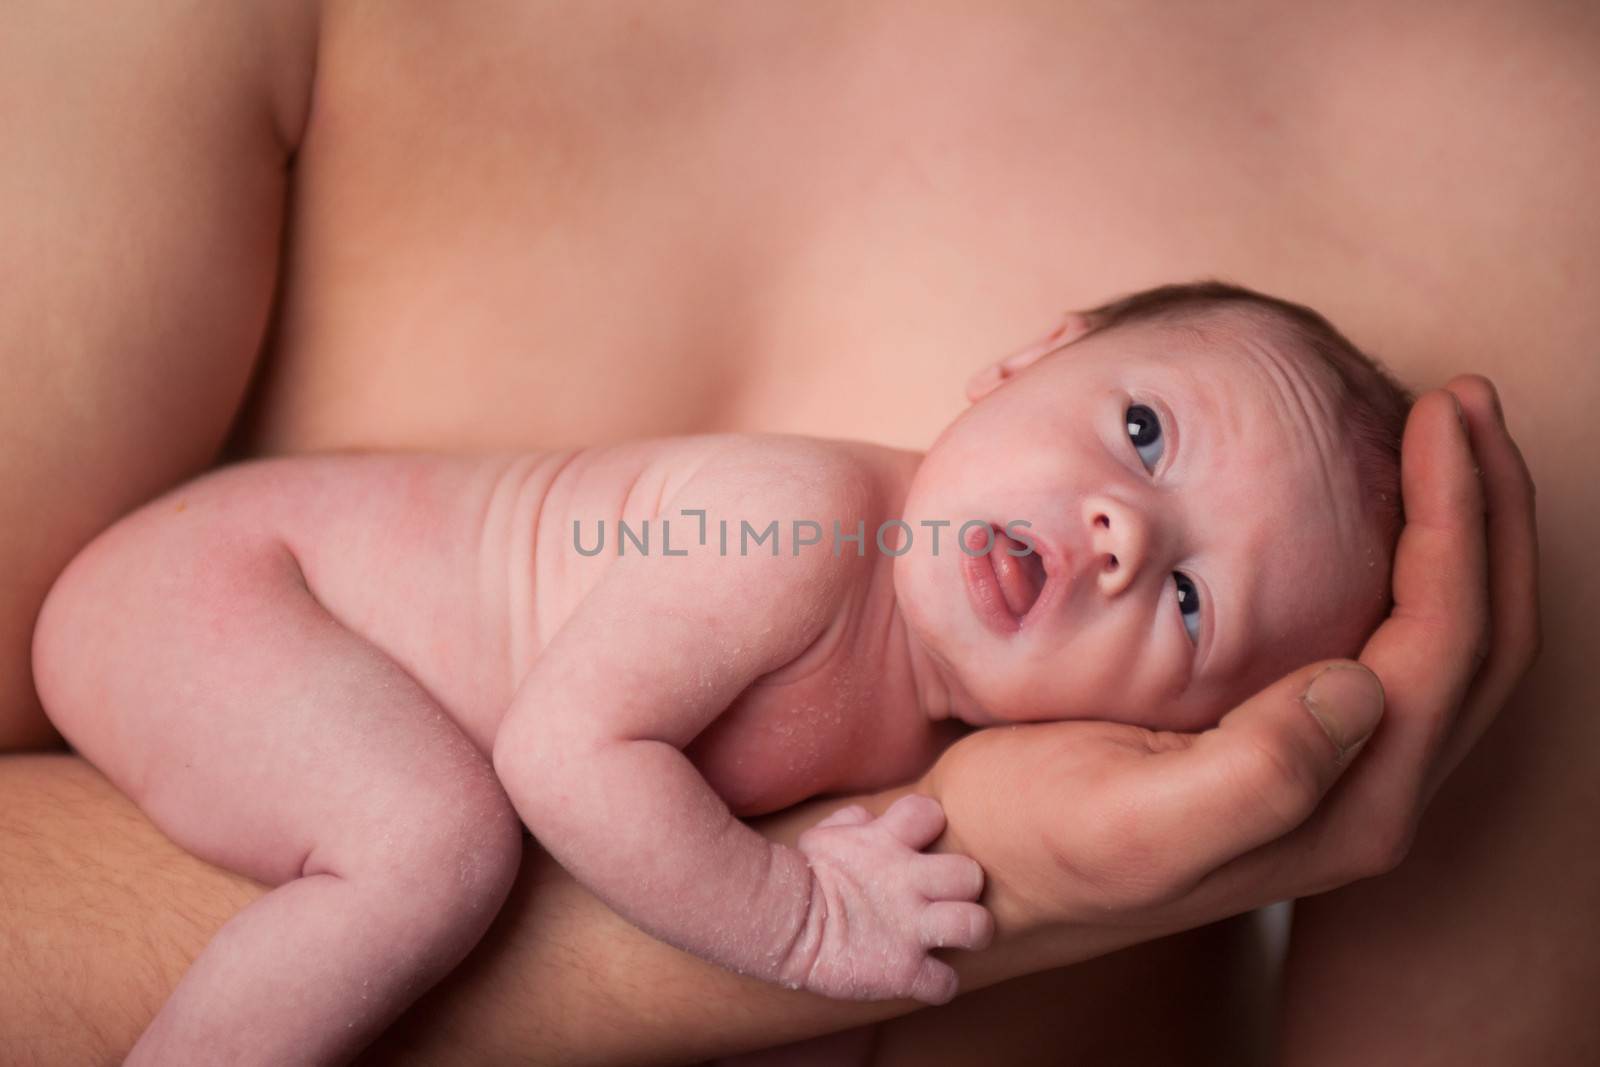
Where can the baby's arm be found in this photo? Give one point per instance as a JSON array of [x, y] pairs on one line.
[[591, 754]]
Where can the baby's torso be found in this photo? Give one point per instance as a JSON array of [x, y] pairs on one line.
[[462, 568]]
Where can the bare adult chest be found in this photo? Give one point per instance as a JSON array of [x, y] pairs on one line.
[[549, 225]]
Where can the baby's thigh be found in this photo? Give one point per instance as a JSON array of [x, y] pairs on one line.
[[154, 628], [195, 668]]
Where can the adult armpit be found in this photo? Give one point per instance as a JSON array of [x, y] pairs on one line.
[[141, 203]]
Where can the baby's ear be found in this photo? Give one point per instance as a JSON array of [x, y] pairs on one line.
[[990, 378]]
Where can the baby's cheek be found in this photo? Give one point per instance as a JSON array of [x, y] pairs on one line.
[[1205, 703], [1135, 675]]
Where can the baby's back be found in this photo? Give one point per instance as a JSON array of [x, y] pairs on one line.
[[459, 567]]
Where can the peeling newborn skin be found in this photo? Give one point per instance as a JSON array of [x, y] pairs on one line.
[[633, 701], [900, 904]]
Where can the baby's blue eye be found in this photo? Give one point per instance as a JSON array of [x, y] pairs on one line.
[[1189, 605], [1144, 430]]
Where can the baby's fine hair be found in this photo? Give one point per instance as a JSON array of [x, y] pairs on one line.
[[1372, 405]]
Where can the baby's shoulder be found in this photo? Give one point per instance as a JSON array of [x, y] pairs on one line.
[[797, 471]]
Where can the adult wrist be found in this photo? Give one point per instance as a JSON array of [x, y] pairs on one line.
[[1030, 934]]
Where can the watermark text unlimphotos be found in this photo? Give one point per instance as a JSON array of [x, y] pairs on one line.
[[745, 538]]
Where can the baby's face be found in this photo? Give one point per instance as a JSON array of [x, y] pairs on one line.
[[1197, 528]]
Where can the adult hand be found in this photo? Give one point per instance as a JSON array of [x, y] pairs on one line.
[[1104, 834]]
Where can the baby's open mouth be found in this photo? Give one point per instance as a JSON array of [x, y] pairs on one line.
[[1019, 571]]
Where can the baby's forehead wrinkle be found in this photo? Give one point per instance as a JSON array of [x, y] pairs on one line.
[[1305, 415], [1275, 422]]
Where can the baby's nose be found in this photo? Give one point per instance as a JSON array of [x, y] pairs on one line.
[[1119, 539]]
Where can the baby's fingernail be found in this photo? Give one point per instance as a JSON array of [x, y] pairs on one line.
[[1461, 416], [1347, 702]]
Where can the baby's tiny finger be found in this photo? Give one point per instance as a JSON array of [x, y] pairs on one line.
[[853, 815], [936, 983], [947, 924], [948, 877], [914, 820]]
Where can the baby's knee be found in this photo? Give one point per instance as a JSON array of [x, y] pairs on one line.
[[438, 851], [490, 850], [468, 844]]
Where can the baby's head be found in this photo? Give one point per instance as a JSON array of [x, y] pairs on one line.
[[1210, 484]]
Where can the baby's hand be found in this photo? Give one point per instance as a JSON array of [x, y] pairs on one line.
[[880, 904]]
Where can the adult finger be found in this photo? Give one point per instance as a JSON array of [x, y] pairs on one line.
[[1425, 650], [1513, 566], [1258, 774], [1424, 655]]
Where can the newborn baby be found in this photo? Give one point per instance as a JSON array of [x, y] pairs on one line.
[[302, 668]]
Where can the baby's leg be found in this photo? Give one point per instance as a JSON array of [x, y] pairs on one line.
[[262, 735]]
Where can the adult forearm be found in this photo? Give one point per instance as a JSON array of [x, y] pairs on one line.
[[102, 915], [561, 979], [99, 914]]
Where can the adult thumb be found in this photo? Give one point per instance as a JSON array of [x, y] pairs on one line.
[[1346, 700], [1263, 769]]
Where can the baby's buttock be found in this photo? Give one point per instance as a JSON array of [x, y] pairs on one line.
[[428, 557]]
